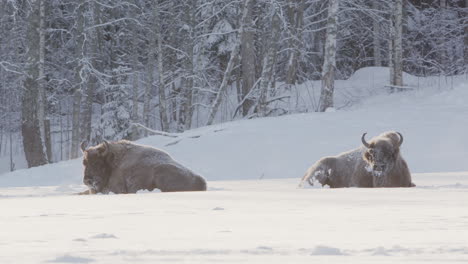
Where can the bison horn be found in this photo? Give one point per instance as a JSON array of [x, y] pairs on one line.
[[364, 141], [83, 145], [401, 139], [104, 149]]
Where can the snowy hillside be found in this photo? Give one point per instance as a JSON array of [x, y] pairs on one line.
[[253, 211], [434, 124]]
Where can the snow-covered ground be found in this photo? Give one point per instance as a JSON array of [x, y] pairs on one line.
[[253, 211], [254, 221]]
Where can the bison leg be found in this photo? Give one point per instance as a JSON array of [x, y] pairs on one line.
[[87, 192], [319, 172]]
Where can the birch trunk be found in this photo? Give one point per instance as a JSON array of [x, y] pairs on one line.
[[296, 17], [12, 164], [189, 66], [92, 81], [466, 43], [42, 82], [1, 139], [135, 75], [48, 140], [161, 83], [376, 28], [329, 63], [148, 89], [230, 65], [391, 55], [442, 41], [30, 127], [268, 66], [247, 47], [398, 65], [78, 83], [150, 81], [135, 92], [391, 45]]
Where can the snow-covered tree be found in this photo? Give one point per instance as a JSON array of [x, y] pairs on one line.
[[174, 65]]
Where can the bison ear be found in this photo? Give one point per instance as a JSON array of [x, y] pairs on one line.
[[83, 146], [104, 148], [367, 156]]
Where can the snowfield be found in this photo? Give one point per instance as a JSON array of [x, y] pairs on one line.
[[255, 221], [253, 211]]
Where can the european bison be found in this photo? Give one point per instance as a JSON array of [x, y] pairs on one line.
[[377, 163], [125, 167]]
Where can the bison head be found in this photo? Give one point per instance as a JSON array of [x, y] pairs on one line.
[[97, 170], [381, 153]]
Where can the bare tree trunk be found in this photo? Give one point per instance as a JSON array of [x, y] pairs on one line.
[[391, 45], [75, 141], [133, 133], [1, 139], [92, 80], [12, 164], [183, 96], [189, 66], [247, 56], [329, 63], [148, 89], [161, 83], [376, 28], [41, 114], [150, 73], [391, 56], [466, 43], [296, 17], [268, 65], [88, 108], [135, 74], [398, 81], [61, 130], [79, 82], [48, 140], [135, 92], [30, 127], [441, 41], [228, 71]]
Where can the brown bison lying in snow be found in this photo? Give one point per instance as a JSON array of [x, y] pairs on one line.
[[125, 167], [377, 163]]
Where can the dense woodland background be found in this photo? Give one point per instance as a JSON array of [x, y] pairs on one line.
[[88, 70]]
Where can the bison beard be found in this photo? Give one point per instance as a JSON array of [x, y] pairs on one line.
[[377, 163], [125, 167]]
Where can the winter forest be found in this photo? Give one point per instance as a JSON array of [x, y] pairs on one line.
[[88, 70]]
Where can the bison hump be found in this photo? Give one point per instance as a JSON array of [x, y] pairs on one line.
[[173, 177]]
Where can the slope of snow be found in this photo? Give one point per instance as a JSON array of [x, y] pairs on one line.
[[253, 211], [434, 125]]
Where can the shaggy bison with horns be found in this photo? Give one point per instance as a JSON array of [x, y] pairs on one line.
[[377, 163], [125, 167]]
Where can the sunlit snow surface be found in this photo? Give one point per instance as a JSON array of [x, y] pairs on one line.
[[256, 221], [253, 211]]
